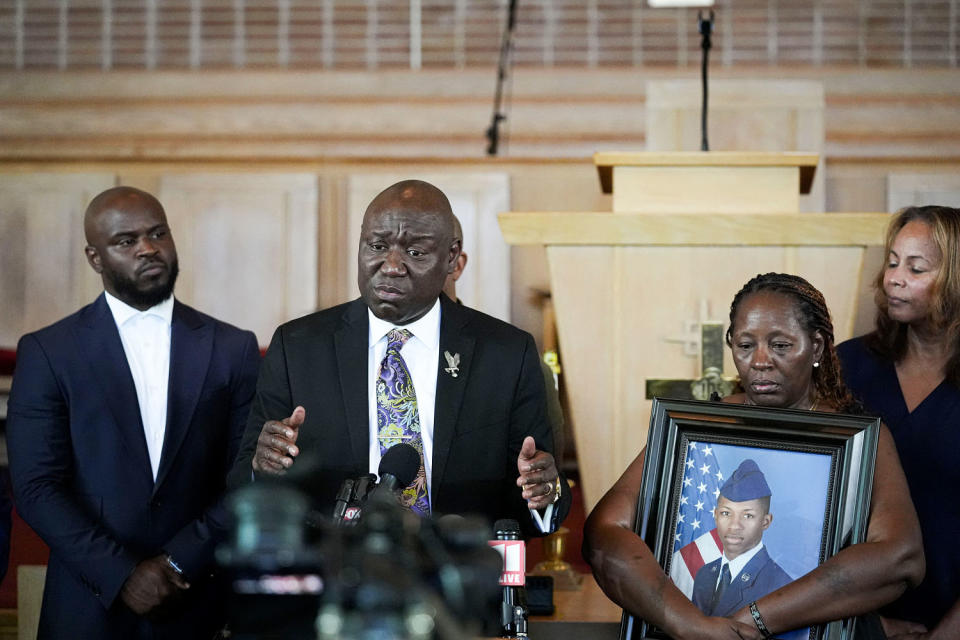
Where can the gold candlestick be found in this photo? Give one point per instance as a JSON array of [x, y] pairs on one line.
[[554, 548]]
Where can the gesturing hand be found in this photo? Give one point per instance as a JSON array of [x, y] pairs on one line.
[[538, 475], [152, 584], [276, 446]]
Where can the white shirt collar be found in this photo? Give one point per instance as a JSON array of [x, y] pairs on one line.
[[738, 563], [426, 329], [122, 312]]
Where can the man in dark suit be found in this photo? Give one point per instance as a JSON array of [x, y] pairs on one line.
[[745, 572], [123, 421], [327, 386]]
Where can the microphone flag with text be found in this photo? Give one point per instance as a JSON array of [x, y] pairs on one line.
[[398, 468], [295, 574], [513, 606]]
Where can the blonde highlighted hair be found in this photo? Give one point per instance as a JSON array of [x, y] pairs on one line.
[[890, 337]]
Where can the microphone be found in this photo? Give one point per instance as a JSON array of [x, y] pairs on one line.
[[398, 467], [343, 499], [350, 499], [362, 488], [513, 606]]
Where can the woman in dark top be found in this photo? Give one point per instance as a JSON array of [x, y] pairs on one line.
[[782, 341], [908, 372]]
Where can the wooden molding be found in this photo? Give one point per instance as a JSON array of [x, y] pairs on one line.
[[734, 230]]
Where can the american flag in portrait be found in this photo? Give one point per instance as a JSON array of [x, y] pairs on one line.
[[695, 542]]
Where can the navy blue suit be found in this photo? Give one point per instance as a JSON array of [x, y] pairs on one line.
[[81, 472], [759, 576]]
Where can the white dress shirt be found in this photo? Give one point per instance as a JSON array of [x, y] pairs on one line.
[[421, 352], [146, 342]]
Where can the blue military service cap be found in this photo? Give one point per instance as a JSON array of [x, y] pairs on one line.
[[746, 483]]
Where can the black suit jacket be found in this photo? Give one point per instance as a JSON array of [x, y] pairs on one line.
[[481, 416], [81, 472]]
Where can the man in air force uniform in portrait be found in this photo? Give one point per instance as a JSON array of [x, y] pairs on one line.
[[745, 572]]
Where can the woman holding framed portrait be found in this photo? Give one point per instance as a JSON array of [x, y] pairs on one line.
[[782, 341], [907, 371]]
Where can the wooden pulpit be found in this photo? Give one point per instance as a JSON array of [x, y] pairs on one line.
[[631, 287]]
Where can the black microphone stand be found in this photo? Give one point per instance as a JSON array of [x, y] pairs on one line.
[[706, 28], [506, 47]]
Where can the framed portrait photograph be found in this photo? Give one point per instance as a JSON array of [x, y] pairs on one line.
[[736, 501]]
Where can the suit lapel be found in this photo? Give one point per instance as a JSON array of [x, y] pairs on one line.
[[734, 598], [351, 344], [191, 346], [708, 587], [99, 342], [450, 390]]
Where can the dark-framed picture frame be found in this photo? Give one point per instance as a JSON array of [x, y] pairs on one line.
[[817, 469]]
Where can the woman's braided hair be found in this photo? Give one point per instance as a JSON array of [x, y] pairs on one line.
[[813, 315]]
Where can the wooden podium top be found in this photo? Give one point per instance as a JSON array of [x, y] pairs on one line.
[[732, 230], [806, 162]]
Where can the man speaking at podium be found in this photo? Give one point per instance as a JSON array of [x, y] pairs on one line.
[[405, 364]]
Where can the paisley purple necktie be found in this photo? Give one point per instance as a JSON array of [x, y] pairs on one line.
[[398, 419]]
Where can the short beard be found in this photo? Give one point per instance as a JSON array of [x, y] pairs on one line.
[[128, 291]]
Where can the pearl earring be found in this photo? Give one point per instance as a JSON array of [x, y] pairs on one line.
[[816, 364]]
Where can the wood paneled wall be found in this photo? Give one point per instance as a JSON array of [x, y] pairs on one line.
[[142, 128], [308, 116]]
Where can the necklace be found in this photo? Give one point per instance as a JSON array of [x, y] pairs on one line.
[[812, 407]]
